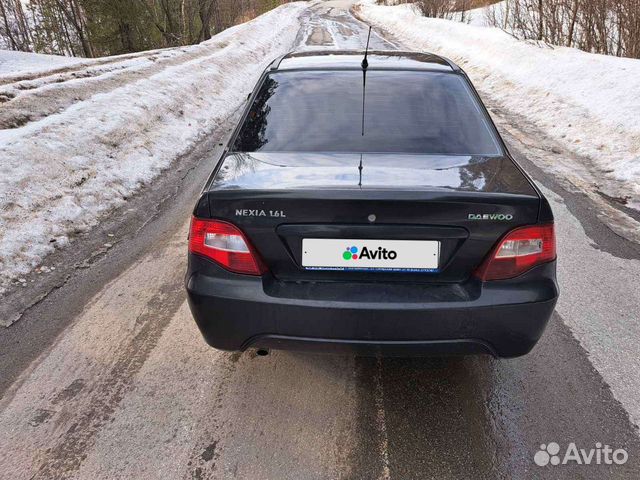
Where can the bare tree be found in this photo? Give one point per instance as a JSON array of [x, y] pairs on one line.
[[14, 28], [101, 27], [7, 26], [77, 20], [206, 9], [601, 26]]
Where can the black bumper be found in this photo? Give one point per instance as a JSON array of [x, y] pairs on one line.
[[504, 319]]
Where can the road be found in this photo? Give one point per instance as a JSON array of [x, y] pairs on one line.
[[106, 376]]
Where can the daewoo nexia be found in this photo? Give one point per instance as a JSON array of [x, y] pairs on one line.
[[370, 206]]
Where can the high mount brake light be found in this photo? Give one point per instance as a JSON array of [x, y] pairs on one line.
[[519, 251], [226, 245]]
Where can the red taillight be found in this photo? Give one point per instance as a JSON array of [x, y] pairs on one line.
[[519, 251], [226, 245]]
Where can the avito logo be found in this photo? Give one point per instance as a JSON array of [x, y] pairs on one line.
[[351, 253]]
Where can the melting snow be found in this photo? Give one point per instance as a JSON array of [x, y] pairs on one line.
[[58, 174]]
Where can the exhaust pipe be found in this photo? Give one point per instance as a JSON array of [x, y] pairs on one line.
[[262, 352]]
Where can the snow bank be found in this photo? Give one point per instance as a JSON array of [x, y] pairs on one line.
[[60, 173], [479, 16], [20, 62], [589, 103]]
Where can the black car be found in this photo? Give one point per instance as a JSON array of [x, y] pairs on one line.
[[370, 207]]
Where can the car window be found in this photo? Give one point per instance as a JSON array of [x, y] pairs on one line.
[[394, 111]]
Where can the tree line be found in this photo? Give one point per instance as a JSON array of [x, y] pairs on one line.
[[447, 9], [94, 28], [610, 27]]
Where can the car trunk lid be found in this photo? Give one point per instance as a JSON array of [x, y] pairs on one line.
[[464, 203]]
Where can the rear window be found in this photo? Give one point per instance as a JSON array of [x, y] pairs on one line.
[[395, 111]]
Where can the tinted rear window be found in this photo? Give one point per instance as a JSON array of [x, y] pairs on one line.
[[404, 112]]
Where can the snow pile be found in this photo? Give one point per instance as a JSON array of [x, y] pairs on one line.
[[19, 62], [60, 173], [589, 103], [480, 16]]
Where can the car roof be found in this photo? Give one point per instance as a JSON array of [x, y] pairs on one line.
[[352, 59]]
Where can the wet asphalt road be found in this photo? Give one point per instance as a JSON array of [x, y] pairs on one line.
[[107, 377]]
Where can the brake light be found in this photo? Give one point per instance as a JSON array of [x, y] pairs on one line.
[[519, 251], [226, 245]]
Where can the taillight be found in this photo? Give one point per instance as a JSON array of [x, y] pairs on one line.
[[226, 245], [519, 251]]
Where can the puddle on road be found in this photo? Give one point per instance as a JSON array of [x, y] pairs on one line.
[[437, 424], [482, 418], [338, 31]]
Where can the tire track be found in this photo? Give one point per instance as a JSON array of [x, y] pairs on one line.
[[205, 453], [78, 67], [67, 456], [30, 100]]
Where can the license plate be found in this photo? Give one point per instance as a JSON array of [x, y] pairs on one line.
[[388, 255]]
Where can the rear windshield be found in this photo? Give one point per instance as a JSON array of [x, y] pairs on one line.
[[392, 111]]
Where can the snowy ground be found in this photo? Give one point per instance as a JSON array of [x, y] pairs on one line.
[[77, 143], [12, 63], [574, 97]]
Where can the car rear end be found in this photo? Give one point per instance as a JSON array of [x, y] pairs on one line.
[[401, 229]]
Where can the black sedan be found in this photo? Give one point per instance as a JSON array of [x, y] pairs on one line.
[[370, 207]]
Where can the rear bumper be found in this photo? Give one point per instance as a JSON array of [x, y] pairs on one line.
[[504, 319]]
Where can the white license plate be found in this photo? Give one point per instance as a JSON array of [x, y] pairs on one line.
[[350, 254]]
